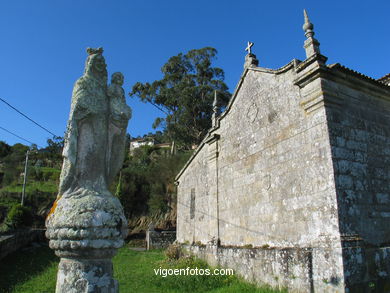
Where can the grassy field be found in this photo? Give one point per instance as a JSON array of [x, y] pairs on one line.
[[32, 187], [34, 270]]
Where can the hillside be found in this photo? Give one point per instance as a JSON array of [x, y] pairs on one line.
[[145, 185]]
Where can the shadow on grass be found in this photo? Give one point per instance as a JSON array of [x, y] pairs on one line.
[[35, 271], [24, 264]]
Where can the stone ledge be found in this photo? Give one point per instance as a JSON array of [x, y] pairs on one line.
[[159, 240], [13, 242]]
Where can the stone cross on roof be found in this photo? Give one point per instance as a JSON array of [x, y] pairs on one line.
[[248, 48]]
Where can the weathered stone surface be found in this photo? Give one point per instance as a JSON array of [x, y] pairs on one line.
[[80, 225], [266, 181], [299, 161], [120, 114], [159, 239], [79, 275], [86, 224], [292, 267], [84, 166]]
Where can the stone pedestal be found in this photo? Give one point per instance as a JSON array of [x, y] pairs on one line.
[[85, 231], [251, 61], [86, 224], [86, 275]]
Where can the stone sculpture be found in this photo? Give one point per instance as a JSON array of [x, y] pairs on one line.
[[86, 224], [120, 114]]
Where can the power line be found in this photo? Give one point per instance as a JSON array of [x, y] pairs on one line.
[[36, 123], [16, 135]]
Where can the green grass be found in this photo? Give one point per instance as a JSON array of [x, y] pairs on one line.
[[8, 201], [32, 187], [48, 182], [29, 271], [49, 170], [35, 271]]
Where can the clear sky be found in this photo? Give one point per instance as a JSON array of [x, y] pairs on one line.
[[42, 51]]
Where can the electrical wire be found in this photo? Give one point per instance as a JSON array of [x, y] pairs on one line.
[[36, 123], [17, 135]]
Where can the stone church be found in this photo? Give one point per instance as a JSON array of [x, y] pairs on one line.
[[291, 185]]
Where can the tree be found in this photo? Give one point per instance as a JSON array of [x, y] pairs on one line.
[[146, 184], [185, 94], [5, 149], [13, 163], [52, 154], [55, 145]]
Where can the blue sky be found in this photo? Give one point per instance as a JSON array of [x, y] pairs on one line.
[[42, 51]]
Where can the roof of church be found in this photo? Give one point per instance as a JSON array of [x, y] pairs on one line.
[[385, 79], [380, 81]]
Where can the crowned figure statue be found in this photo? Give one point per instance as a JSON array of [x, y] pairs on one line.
[[86, 224]]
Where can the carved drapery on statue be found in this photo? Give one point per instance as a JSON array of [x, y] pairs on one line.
[[84, 164], [86, 224], [120, 114], [96, 134]]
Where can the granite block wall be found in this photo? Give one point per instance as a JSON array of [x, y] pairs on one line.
[[159, 239], [299, 161], [265, 178], [359, 135]]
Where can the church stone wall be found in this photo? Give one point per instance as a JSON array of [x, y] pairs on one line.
[[360, 140], [275, 168], [292, 181], [192, 224], [266, 181]]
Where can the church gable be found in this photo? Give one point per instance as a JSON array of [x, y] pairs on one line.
[[291, 178]]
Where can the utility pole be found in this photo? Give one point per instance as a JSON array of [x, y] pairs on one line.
[[25, 177]]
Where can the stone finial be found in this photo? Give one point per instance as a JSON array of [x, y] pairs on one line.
[[215, 110], [311, 45], [307, 26], [250, 58], [215, 102]]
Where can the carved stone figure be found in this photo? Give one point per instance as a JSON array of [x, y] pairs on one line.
[[86, 224], [84, 165], [120, 114]]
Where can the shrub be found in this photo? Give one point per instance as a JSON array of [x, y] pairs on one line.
[[19, 216], [55, 176], [4, 228], [173, 251]]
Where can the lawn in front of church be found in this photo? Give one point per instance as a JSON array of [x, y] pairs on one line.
[[34, 270]]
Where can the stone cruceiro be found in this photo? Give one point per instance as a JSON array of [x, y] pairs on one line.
[[86, 224]]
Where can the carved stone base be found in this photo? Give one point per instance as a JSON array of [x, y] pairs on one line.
[[85, 230], [85, 275]]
